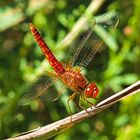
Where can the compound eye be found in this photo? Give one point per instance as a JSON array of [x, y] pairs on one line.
[[95, 92], [91, 91]]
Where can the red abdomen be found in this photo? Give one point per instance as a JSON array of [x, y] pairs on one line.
[[58, 68]]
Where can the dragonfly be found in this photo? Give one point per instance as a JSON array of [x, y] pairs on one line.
[[70, 74]]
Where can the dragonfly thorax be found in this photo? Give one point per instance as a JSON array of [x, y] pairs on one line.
[[74, 80]]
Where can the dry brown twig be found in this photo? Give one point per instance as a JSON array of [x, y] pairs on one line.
[[55, 128]]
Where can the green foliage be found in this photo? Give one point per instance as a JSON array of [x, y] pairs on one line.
[[114, 68]]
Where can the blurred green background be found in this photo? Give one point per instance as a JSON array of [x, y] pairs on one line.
[[113, 69]]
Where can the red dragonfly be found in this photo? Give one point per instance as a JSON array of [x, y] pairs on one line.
[[70, 74]]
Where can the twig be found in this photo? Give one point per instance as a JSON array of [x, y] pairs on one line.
[[53, 129]]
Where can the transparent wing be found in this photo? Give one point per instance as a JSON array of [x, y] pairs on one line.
[[93, 38], [40, 86]]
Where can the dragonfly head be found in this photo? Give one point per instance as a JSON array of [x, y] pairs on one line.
[[91, 90]]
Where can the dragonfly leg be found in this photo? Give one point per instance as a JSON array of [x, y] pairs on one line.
[[68, 102], [91, 104], [80, 105]]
